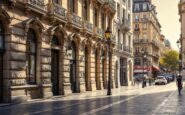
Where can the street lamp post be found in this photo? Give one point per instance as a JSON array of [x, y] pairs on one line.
[[108, 34]]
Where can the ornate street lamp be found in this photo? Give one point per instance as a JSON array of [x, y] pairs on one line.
[[108, 34]]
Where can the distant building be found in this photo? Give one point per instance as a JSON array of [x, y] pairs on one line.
[[122, 31], [182, 35], [147, 37]]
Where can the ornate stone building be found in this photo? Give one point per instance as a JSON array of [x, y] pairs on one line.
[[147, 37], [123, 51], [182, 36], [53, 47]]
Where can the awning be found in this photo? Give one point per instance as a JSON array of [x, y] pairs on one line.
[[155, 68]]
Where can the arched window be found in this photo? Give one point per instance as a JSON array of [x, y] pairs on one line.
[[1, 36], [31, 56], [55, 41], [85, 9]]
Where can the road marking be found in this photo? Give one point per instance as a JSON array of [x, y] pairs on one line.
[[161, 105], [108, 106]]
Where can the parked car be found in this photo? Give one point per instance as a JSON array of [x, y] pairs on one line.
[[141, 76], [161, 80], [169, 77]]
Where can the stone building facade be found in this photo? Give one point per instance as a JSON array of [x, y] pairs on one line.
[[147, 37], [53, 47], [182, 35], [124, 45]]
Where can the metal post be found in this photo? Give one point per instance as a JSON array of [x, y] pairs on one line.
[[109, 77]]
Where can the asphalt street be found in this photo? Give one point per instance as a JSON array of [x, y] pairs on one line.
[[124, 101]]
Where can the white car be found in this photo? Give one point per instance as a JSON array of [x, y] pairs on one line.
[[161, 80]]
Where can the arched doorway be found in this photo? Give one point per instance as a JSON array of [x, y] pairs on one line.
[[104, 78], [116, 74], [87, 78], [97, 70], [55, 65], [123, 72], [73, 76], [1, 60]]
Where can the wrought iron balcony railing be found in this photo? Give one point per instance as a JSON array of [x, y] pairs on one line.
[[59, 11], [76, 20], [142, 41], [124, 48], [35, 5]]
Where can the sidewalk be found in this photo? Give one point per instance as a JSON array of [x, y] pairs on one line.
[[124, 90], [172, 105]]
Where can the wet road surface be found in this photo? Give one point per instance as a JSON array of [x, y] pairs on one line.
[[136, 101]]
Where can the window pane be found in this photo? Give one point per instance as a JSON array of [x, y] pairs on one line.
[[32, 47], [32, 64]]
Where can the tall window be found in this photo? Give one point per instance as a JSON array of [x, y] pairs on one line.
[[109, 22], [136, 7], [72, 6], [31, 56], [118, 10], [103, 21], [144, 7], [136, 18], [95, 17], [85, 9], [56, 1], [1, 36], [124, 14]]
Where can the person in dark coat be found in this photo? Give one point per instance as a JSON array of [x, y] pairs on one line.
[[179, 83]]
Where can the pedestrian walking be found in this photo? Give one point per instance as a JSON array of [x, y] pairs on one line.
[[179, 83]]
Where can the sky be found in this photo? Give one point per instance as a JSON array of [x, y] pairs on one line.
[[169, 19]]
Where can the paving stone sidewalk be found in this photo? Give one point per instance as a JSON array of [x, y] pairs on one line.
[[174, 104]]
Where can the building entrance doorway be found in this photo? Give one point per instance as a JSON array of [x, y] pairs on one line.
[[2, 46], [123, 72], [1, 77], [73, 78], [55, 72]]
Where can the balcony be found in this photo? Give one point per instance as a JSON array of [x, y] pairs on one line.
[[110, 4], [146, 41], [126, 25], [76, 20], [34, 5], [123, 48], [140, 40], [98, 32], [58, 12], [87, 27]]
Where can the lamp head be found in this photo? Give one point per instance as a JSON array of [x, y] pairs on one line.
[[108, 33]]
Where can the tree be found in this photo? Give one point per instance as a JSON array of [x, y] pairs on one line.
[[170, 60]]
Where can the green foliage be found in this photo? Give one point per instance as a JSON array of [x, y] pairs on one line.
[[170, 60]]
